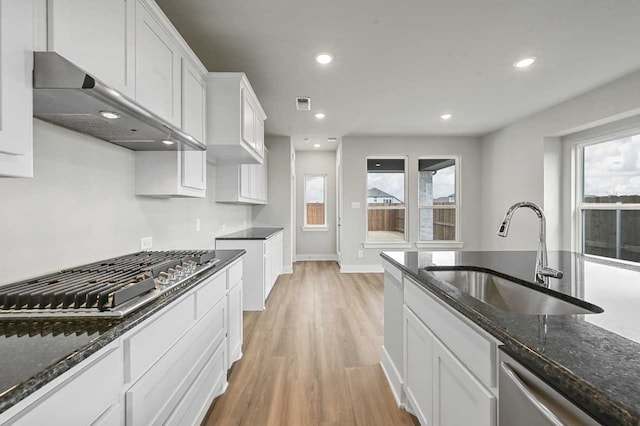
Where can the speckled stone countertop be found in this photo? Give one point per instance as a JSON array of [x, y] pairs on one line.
[[592, 359], [34, 352], [251, 234]]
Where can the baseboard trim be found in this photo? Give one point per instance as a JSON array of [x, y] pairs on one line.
[[393, 377], [316, 257], [361, 269], [287, 270]]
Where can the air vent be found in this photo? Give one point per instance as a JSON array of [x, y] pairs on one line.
[[303, 104]]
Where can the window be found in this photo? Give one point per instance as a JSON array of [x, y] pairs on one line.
[[386, 221], [438, 202], [609, 198], [315, 200]]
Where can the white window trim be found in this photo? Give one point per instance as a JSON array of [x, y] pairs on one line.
[[578, 142], [457, 243], [306, 226], [387, 244]]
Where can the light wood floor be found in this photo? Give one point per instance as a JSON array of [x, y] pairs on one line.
[[312, 357]]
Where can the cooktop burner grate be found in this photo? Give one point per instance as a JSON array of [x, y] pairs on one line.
[[106, 284]]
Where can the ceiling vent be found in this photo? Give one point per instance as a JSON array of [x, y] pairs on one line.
[[303, 104]]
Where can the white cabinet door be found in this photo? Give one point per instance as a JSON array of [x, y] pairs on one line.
[[158, 60], [459, 398], [234, 332], [259, 136], [194, 163], [16, 88], [418, 366], [193, 102], [96, 35], [268, 266], [245, 180], [248, 120]]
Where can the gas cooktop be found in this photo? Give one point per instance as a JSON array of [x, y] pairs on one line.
[[109, 288]]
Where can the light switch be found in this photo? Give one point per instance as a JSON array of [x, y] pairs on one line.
[[355, 205]]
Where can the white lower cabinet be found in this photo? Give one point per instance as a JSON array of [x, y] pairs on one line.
[[167, 370], [262, 267], [87, 394], [448, 365], [418, 367], [234, 338], [458, 396]]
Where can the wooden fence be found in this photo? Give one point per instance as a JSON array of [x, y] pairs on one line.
[[386, 220], [444, 224], [315, 214]]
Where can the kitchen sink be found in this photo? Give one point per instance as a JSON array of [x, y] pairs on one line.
[[512, 296]]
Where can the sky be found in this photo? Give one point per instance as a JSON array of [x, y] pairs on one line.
[[444, 182], [314, 189], [612, 168]]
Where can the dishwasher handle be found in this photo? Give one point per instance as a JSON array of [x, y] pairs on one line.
[[535, 402]]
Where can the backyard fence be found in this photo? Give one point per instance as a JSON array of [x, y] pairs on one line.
[[315, 214]]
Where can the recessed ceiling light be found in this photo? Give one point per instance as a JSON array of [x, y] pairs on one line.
[[324, 58], [446, 116], [331, 140], [316, 145], [320, 115], [167, 142], [525, 62], [378, 164], [110, 115]]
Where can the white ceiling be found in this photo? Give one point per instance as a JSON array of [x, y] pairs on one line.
[[400, 64]]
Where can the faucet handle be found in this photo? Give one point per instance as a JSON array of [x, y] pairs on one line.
[[550, 272]]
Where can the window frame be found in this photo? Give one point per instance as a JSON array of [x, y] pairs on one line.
[[307, 226], [578, 204], [457, 242], [392, 243]]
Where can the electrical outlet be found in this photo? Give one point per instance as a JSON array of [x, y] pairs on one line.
[[197, 224], [224, 226], [146, 243], [360, 253], [355, 205]]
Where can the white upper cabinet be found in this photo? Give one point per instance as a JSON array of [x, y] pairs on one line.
[[235, 119], [194, 163], [16, 88], [158, 67], [242, 183], [96, 35]]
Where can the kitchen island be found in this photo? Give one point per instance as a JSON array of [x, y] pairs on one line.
[[593, 359], [102, 363]]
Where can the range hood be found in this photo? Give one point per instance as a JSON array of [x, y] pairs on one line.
[[65, 95]]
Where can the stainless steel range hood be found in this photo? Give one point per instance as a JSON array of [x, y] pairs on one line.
[[67, 96]]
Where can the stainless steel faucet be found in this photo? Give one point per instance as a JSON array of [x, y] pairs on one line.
[[542, 271]]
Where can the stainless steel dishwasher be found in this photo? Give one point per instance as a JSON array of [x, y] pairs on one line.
[[524, 399]]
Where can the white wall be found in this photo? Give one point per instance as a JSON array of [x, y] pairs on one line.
[[354, 151], [316, 244], [80, 207], [277, 212], [513, 161]]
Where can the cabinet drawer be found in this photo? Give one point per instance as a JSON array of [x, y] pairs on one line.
[[152, 399], [210, 382], [147, 345], [474, 350], [84, 397], [235, 274], [210, 293]]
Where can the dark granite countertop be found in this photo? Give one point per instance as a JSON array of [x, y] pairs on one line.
[[592, 359], [251, 234], [34, 352]]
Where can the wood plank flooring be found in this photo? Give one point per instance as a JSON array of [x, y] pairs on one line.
[[312, 357]]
